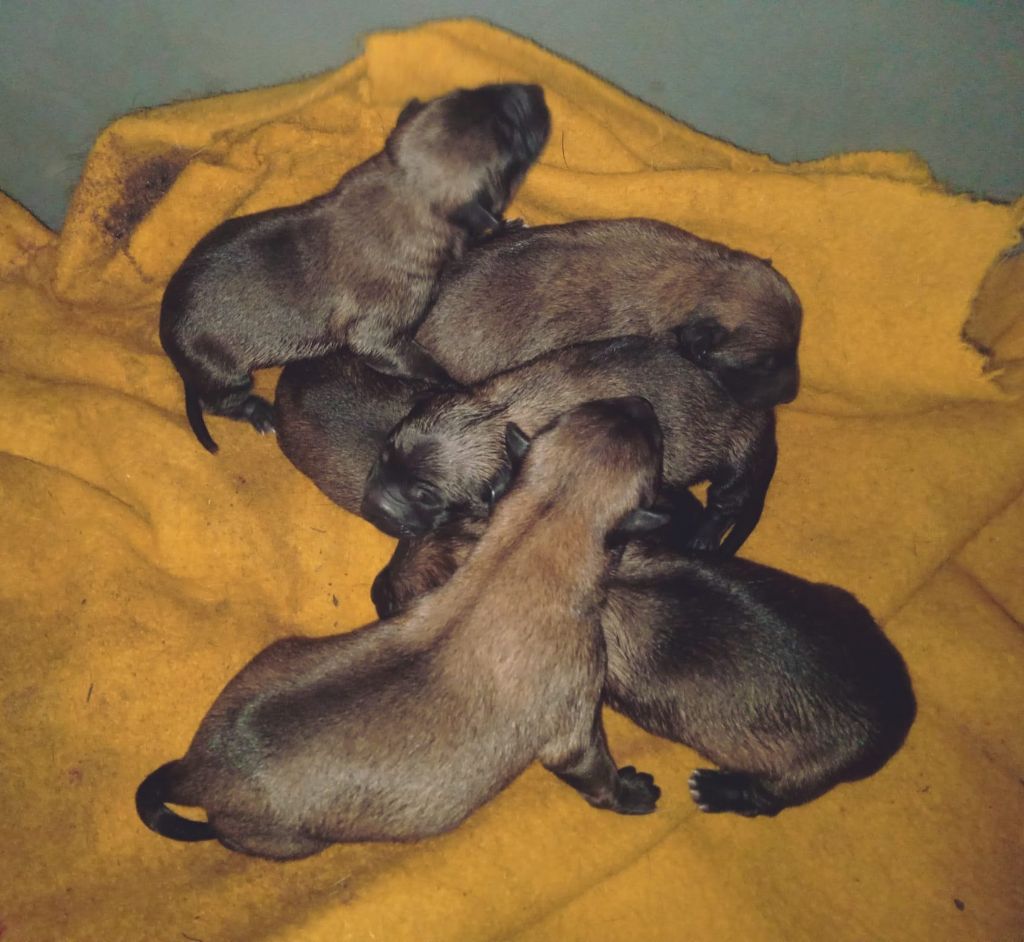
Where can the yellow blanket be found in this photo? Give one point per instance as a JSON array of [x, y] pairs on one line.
[[139, 573]]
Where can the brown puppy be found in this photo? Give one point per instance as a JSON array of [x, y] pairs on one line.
[[355, 267], [333, 415], [534, 290], [789, 686], [446, 459], [400, 730]]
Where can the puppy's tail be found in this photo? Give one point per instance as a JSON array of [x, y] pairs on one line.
[[194, 411], [150, 796]]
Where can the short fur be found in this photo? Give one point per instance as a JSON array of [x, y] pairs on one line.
[[533, 290], [401, 729], [442, 462], [355, 267], [789, 686], [333, 416]]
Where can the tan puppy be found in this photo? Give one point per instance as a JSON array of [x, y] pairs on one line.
[[789, 686], [355, 267], [534, 290], [447, 458], [400, 730]]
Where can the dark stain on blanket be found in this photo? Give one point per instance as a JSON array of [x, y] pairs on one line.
[[959, 904], [143, 186]]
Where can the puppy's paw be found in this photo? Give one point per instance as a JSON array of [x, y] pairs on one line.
[[637, 792], [702, 543], [260, 414], [715, 792]]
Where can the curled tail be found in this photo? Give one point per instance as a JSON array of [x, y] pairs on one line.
[[149, 803], [194, 411]]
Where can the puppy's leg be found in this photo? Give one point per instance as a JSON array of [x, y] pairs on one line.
[[237, 402], [221, 380], [736, 500], [245, 837], [590, 770], [396, 355], [715, 792]]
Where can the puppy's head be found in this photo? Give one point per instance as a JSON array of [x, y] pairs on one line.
[[745, 333], [600, 461], [449, 459], [470, 150]]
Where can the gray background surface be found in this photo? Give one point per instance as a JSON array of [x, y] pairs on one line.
[[798, 79]]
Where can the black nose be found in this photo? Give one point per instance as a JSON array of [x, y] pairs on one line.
[[384, 511]]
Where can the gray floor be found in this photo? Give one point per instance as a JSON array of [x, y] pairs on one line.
[[794, 78]]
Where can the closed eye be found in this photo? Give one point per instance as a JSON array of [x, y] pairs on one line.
[[423, 492]]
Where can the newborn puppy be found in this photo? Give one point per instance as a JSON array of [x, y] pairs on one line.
[[355, 267], [530, 291], [447, 457], [401, 729], [333, 415], [789, 686]]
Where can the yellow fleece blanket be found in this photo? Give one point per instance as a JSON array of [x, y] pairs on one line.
[[139, 573]]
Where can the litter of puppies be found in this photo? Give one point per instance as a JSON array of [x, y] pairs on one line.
[[526, 409]]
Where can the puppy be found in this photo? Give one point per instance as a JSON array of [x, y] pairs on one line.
[[534, 290], [789, 686], [333, 415], [355, 267], [447, 457], [401, 729]]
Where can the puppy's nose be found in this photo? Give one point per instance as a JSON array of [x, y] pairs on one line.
[[790, 386], [382, 510]]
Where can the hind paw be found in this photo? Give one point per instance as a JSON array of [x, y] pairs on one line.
[[716, 792], [259, 414], [637, 794]]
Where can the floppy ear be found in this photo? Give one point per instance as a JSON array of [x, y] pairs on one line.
[[640, 521], [412, 107], [699, 337], [517, 445], [476, 220]]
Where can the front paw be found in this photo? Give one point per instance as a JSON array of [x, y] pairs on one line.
[[637, 793]]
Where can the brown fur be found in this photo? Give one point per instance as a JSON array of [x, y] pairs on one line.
[[355, 267], [534, 290], [789, 686], [400, 730], [442, 461], [333, 415]]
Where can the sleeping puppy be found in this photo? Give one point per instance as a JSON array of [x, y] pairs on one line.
[[355, 267], [447, 457], [789, 686], [333, 415], [534, 290], [400, 730]]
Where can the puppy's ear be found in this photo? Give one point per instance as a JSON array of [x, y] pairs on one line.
[[518, 444], [638, 522], [413, 107], [700, 337], [478, 222]]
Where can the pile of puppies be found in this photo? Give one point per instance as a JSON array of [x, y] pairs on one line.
[[526, 410]]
